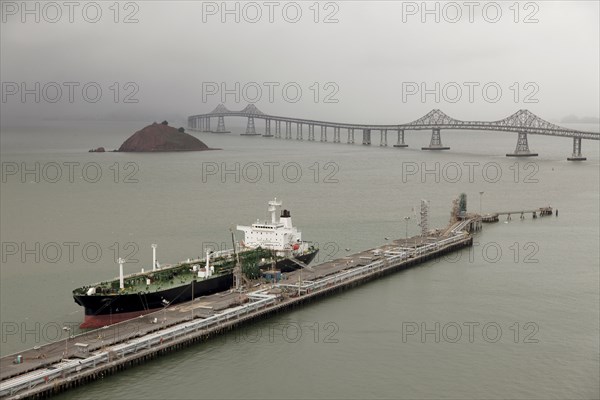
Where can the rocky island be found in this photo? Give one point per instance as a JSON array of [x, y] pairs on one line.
[[162, 137]]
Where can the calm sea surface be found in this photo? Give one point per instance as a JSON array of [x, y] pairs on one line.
[[517, 316]]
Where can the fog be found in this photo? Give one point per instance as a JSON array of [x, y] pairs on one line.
[[361, 61]]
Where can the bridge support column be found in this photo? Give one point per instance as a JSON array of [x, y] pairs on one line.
[[311, 132], [288, 130], [206, 124], [299, 131], [221, 125], [436, 142], [323, 133], [400, 139], [522, 149], [350, 136], [383, 137], [267, 128], [336, 134], [250, 128], [576, 156], [278, 129], [366, 136]]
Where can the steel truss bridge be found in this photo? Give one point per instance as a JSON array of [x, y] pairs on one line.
[[523, 122]]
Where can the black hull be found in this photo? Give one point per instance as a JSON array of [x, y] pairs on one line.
[[137, 304], [286, 265]]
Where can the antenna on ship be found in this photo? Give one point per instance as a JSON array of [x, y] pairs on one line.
[[153, 257], [121, 278], [273, 208]]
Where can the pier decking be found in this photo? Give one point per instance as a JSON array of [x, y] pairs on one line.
[[58, 366], [495, 217]]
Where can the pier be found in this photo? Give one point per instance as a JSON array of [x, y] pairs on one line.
[[522, 122], [495, 217], [52, 368]]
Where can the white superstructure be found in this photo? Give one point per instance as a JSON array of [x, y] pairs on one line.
[[277, 234]]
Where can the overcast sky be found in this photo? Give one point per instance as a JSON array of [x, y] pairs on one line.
[[373, 61]]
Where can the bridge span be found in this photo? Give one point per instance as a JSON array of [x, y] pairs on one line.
[[523, 122]]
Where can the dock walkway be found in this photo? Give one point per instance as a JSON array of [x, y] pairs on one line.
[[60, 365]]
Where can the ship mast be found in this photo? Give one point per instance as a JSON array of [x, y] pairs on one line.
[[121, 278], [154, 257], [273, 208], [237, 270]]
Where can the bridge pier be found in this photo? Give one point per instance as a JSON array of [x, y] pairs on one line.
[[323, 133], [366, 136], [336, 134], [522, 149], [400, 139], [576, 156], [299, 131], [250, 128], [267, 128], [383, 137], [436, 141], [288, 130], [278, 129], [206, 124], [311, 132], [350, 136], [221, 125]]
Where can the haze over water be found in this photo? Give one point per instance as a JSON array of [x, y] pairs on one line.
[[516, 316], [351, 344]]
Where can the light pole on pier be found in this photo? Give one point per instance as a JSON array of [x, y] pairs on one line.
[[193, 298], [68, 330]]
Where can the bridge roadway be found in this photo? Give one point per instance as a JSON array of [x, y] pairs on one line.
[[522, 122], [48, 366]]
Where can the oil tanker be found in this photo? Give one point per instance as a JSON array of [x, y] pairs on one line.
[[274, 244]]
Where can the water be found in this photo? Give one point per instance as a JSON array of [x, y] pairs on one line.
[[536, 280]]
